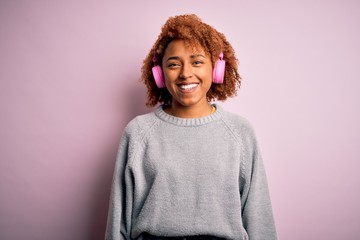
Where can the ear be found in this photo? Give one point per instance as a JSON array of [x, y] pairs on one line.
[[158, 74], [219, 70]]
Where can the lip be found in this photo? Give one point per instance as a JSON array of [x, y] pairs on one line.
[[187, 90]]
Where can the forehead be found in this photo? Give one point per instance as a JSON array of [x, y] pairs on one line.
[[181, 47]]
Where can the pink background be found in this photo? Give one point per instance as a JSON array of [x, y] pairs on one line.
[[69, 83]]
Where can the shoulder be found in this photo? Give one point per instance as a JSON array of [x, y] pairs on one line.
[[140, 124], [240, 126], [134, 134]]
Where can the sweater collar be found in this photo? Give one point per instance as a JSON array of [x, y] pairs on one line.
[[190, 122]]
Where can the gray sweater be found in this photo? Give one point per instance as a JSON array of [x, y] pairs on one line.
[[184, 177]]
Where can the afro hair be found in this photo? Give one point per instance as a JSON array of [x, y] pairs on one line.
[[195, 33]]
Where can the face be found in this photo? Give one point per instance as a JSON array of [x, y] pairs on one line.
[[188, 74]]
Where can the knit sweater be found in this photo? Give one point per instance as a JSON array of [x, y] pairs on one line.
[[184, 177]]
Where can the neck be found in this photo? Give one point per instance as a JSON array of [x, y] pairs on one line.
[[181, 111]]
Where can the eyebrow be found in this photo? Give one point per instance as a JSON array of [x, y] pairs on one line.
[[178, 58]]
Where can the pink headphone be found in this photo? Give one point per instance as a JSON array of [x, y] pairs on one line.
[[218, 72]]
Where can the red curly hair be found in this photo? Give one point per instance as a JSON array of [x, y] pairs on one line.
[[195, 33]]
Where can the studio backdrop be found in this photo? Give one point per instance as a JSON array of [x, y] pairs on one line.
[[70, 82]]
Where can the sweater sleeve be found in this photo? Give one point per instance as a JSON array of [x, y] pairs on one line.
[[257, 213], [120, 205]]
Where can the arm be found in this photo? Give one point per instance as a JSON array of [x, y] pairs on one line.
[[119, 215], [256, 205]]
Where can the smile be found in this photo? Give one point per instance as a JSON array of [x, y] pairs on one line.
[[188, 87]]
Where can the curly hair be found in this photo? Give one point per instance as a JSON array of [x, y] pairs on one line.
[[195, 33]]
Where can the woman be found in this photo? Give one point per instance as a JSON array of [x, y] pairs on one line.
[[189, 169]]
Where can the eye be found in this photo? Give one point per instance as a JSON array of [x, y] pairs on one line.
[[197, 63], [172, 65]]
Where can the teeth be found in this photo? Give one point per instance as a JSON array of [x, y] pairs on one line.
[[188, 86]]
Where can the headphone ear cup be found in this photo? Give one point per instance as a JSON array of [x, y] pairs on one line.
[[219, 70], [158, 76]]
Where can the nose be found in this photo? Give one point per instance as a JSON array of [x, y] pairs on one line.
[[186, 71]]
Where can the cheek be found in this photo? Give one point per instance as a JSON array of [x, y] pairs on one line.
[[170, 75], [207, 74]]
